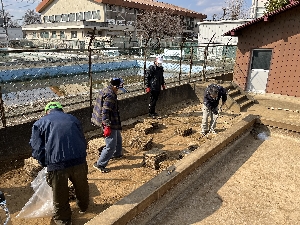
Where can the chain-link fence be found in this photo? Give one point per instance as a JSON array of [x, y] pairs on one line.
[[30, 78]]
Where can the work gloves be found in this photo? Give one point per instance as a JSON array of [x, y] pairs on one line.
[[147, 89], [106, 131], [106, 128]]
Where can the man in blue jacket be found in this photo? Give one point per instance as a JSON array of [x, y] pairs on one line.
[[212, 95], [154, 81], [58, 143]]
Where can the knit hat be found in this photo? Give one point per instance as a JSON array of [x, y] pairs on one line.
[[53, 105], [159, 59]]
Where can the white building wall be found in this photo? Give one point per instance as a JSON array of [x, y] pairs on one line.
[[207, 29], [257, 9], [13, 34], [59, 7]]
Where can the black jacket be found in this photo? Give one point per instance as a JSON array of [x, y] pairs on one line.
[[211, 103], [154, 78]]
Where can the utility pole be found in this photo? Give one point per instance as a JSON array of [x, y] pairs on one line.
[[4, 22]]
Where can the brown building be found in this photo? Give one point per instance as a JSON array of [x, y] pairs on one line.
[[68, 22], [268, 54]]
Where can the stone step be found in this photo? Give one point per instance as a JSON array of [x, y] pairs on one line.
[[246, 104], [239, 98], [232, 93]]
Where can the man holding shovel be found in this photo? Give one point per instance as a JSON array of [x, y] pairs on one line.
[[212, 95]]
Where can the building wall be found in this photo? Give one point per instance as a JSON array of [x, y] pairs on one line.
[[257, 8], [13, 34], [206, 31], [58, 7], [115, 22], [208, 28], [282, 34]]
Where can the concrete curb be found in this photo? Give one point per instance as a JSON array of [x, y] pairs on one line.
[[280, 125], [134, 203]]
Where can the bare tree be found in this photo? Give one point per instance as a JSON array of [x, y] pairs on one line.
[[235, 9], [153, 25], [7, 18], [31, 17]]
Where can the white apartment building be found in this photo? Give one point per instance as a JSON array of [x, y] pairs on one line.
[[213, 31], [67, 24]]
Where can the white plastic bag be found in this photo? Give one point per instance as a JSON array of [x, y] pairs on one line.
[[41, 202], [262, 136]]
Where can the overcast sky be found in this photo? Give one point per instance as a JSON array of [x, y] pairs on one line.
[[17, 8]]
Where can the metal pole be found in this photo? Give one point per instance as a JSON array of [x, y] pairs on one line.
[[2, 112], [180, 62], [90, 67], [5, 22], [191, 63]]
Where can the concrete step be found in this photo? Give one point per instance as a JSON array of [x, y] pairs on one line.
[[246, 103], [239, 98], [233, 92]]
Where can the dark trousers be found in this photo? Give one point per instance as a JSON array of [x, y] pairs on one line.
[[153, 99], [58, 180]]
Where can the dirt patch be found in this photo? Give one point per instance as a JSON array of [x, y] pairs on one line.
[[251, 182], [175, 132]]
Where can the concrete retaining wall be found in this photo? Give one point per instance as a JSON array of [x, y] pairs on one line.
[[14, 140]]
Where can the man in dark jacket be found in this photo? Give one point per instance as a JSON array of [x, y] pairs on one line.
[[106, 114], [212, 95], [58, 143], [154, 81]]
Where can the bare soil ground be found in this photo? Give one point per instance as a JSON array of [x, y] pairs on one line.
[[252, 182], [129, 173]]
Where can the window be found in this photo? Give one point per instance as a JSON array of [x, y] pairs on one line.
[[108, 8], [130, 23], [96, 14], [72, 17], [261, 59], [73, 34], [51, 19], [120, 22], [110, 21], [62, 34], [44, 34], [33, 34], [79, 16], [53, 34], [64, 17], [46, 19], [57, 18], [88, 15]]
